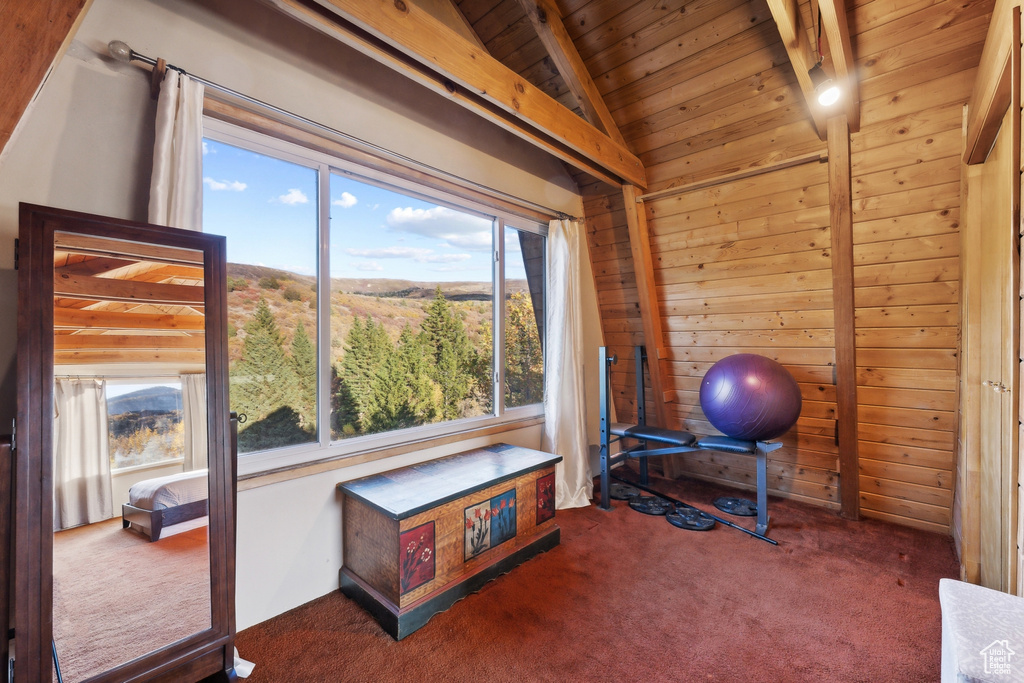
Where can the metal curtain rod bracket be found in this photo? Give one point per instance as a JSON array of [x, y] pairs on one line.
[[123, 52]]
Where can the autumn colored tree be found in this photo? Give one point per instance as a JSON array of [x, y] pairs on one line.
[[524, 360]]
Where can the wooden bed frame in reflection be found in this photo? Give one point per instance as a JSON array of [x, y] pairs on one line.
[[151, 523]]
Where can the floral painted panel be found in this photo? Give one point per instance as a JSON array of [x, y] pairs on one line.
[[545, 498], [503, 517], [417, 556], [478, 529]]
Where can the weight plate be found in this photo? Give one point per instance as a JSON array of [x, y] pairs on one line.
[[740, 507], [622, 491], [690, 519], [650, 505]]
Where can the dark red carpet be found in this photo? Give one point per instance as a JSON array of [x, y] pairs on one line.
[[628, 597]]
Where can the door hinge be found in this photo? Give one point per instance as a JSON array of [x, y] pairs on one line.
[[16, 252]]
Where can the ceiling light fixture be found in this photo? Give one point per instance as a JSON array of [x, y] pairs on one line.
[[825, 89]]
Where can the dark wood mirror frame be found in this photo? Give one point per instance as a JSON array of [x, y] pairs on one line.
[[209, 653]]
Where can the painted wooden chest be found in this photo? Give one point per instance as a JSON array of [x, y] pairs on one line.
[[418, 539]]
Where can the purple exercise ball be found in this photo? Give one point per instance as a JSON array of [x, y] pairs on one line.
[[750, 397]]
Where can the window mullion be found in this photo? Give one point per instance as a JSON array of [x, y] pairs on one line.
[[499, 316], [323, 307]]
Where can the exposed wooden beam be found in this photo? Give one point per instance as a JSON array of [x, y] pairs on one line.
[[647, 294], [91, 265], [127, 356], [544, 16], [33, 37], [841, 221], [837, 31], [101, 246], [76, 318], [794, 37], [992, 87], [111, 289], [448, 13], [411, 41], [110, 342]]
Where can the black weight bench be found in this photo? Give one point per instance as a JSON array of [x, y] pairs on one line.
[[670, 442]]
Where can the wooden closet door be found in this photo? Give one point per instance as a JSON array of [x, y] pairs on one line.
[[998, 186]]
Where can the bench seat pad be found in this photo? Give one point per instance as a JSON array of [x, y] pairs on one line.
[[649, 433], [727, 444]]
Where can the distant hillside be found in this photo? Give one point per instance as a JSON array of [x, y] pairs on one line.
[[152, 399], [381, 287]]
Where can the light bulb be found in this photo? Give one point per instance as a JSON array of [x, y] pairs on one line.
[[828, 95]]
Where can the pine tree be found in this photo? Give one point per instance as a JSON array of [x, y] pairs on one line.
[[304, 363], [366, 348], [444, 337], [263, 382]]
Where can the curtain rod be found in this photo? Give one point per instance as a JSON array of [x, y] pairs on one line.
[[819, 157], [122, 52]]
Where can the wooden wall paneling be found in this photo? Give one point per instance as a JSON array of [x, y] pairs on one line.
[[840, 204], [664, 45], [734, 278], [33, 38]]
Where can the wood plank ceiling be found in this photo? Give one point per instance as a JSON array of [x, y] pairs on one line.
[[114, 305], [703, 90]]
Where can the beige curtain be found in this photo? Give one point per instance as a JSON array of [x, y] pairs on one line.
[[176, 187], [193, 404], [565, 407], [81, 456]]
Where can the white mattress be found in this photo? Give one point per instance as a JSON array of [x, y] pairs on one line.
[[169, 491]]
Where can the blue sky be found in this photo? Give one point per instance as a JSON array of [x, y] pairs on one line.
[[267, 208]]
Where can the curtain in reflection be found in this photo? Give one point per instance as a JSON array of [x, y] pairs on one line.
[[81, 457], [176, 187], [565, 422], [193, 404]]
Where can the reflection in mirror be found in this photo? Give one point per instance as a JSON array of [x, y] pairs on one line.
[[131, 557]]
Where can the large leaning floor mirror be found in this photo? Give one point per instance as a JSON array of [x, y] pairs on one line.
[[124, 495]]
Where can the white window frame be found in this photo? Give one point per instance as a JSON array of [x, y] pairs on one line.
[[251, 464]]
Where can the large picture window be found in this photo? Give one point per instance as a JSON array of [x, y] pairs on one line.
[[363, 306]]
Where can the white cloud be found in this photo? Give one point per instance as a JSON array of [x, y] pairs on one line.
[[217, 185], [389, 252], [347, 201], [418, 254], [369, 265], [206, 148], [457, 229], [447, 258], [294, 196]]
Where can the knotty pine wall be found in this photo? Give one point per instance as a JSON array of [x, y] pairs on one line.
[[746, 267]]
